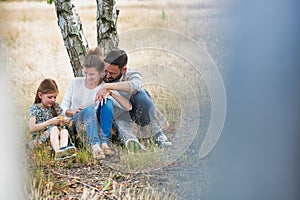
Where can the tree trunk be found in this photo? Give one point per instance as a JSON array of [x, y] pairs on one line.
[[107, 16], [72, 33]]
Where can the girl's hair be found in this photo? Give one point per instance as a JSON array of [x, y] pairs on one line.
[[47, 86], [94, 58]]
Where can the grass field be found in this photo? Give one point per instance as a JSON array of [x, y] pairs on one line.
[[32, 49], [32, 46]]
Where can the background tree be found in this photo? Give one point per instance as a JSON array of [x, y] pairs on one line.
[[72, 32], [107, 16]]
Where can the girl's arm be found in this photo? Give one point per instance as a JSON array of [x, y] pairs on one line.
[[33, 126], [125, 103]]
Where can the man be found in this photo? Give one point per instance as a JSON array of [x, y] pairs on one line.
[[129, 84]]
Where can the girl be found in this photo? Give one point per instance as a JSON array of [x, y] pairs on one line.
[[45, 122]]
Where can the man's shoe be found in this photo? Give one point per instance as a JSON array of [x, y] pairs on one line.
[[135, 146], [162, 140]]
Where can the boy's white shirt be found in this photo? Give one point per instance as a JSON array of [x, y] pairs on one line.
[[78, 95]]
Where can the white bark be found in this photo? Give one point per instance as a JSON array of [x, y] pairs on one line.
[[72, 33], [107, 16]]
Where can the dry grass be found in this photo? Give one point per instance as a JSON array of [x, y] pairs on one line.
[[32, 49], [32, 46]]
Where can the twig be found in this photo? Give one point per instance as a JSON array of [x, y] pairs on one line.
[[85, 184]]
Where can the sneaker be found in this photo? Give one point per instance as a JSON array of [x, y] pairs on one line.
[[133, 145], [65, 152], [162, 140]]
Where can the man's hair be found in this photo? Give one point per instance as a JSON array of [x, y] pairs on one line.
[[116, 57]]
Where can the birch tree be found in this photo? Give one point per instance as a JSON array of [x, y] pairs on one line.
[[107, 16], [72, 30]]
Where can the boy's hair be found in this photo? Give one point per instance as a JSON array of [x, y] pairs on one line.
[[117, 57], [94, 58], [47, 86]]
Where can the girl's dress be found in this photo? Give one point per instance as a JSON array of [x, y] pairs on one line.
[[42, 115]]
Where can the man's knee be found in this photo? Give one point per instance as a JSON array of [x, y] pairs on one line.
[[141, 107], [141, 97]]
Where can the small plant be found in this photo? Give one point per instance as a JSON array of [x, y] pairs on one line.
[[50, 2], [163, 15], [83, 156]]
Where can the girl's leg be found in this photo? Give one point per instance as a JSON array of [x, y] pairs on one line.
[[87, 117], [64, 136], [65, 151], [105, 121], [54, 135], [91, 125], [106, 117]]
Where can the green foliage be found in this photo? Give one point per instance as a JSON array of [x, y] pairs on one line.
[[50, 1], [83, 156], [163, 15], [107, 184]]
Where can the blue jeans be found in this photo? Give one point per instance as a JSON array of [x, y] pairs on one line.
[[105, 119], [143, 110], [88, 118]]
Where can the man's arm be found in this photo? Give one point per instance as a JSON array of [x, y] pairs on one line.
[[132, 83], [103, 92], [120, 101], [119, 86]]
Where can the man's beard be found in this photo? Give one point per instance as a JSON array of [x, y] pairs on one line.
[[111, 80]]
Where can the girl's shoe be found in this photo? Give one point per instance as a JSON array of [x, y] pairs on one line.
[[65, 152], [107, 150], [97, 152]]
